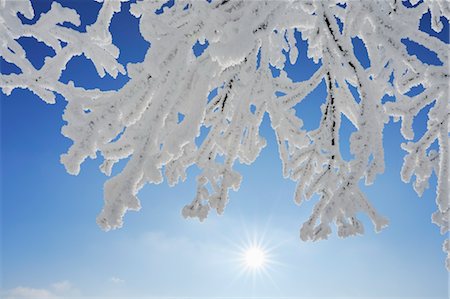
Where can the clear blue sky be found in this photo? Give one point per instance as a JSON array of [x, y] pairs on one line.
[[49, 234]]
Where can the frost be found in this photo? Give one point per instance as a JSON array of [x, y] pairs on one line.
[[141, 121]]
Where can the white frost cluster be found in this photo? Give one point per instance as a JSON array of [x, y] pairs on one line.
[[140, 121]]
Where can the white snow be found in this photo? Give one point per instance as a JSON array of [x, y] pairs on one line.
[[172, 81]]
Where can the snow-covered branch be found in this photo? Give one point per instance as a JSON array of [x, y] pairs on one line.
[[154, 121]]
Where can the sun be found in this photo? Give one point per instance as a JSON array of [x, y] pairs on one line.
[[254, 254], [255, 258]]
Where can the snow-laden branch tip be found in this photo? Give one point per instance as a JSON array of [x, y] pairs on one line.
[[140, 121]]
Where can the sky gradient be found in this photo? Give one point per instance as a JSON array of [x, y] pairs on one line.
[[51, 244]]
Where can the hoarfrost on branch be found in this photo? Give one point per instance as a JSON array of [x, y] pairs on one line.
[[140, 121]]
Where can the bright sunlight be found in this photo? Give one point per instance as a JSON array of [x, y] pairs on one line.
[[255, 258]]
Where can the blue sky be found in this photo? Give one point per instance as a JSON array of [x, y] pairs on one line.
[[51, 243]]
